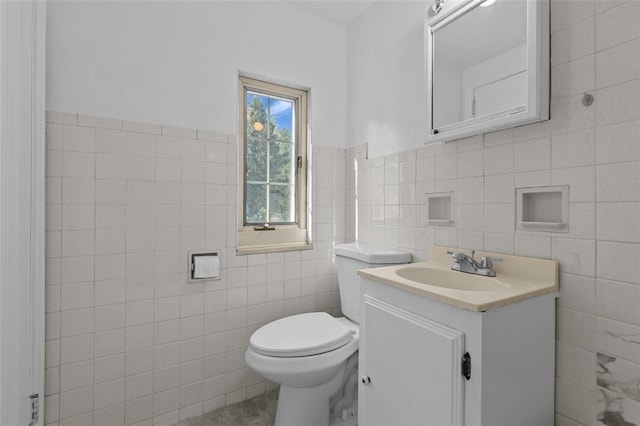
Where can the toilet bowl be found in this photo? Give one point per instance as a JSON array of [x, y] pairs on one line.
[[313, 356], [307, 382]]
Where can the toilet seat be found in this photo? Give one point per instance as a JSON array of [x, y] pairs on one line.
[[301, 335]]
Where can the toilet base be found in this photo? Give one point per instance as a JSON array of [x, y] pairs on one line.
[[307, 406], [331, 404]]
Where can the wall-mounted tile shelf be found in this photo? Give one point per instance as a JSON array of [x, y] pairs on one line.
[[441, 208], [542, 209]]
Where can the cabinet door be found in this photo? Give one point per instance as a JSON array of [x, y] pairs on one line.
[[413, 368]]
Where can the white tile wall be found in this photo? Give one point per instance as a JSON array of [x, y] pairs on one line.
[[128, 341], [595, 150]]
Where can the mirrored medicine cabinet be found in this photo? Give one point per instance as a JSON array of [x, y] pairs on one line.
[[487, 66]]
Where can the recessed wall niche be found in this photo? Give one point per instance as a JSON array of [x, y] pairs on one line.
[[441, 208], [542, 209]]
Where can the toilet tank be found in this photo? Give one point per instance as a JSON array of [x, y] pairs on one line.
[[352, 257]]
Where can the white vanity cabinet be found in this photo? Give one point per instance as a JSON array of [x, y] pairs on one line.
[[411, 361]]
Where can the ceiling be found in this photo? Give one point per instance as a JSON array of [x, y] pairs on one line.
[[341, 12]]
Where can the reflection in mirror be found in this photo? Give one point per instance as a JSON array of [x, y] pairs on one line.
[[480, 64]]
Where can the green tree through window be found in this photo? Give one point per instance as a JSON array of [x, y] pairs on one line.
[[270, 159]]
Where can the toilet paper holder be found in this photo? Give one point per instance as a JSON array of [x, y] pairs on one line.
[[203, 266]]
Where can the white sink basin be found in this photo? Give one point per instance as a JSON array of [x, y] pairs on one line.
[[517, 278], [450, 279]]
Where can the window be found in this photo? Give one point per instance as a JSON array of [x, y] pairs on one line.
[[272, 168]]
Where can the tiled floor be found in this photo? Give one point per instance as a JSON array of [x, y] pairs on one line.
[[257, 411]]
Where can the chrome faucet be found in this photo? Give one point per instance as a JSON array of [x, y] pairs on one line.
[[465, 263]]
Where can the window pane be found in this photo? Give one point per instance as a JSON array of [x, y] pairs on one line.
[[271, 137], [281, 114], [257, 115], [281, 162], [256, 160], [281, 203], [256, 203]]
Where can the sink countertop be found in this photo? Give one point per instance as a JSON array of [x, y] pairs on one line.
[[520, 278]]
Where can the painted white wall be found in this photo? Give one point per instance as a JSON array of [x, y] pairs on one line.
[[386, 102], [176, 63]]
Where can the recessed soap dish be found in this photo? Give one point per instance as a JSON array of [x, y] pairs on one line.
[[440, 208], [542, 209]]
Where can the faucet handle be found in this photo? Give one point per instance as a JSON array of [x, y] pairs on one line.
[[457, 256], [487, 261]]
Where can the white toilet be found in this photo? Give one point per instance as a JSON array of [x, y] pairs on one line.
[[314, 355]]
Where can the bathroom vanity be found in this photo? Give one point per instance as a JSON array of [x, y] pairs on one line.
[[440, 347]]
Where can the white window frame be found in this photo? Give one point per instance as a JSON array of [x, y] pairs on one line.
[[284, 237]]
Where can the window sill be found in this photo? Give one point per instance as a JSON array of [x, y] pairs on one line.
[[282, 239], [272, 248]]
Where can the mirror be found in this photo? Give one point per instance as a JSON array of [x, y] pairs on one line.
[[487, 67]]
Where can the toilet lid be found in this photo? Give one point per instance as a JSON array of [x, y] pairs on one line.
[[300, 335]]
